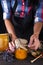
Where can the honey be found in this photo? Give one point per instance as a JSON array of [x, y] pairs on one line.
[[20, 54], [4, 39]]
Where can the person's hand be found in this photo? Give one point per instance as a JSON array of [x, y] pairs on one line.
[[34, 42], [11, 46], [12, 43]]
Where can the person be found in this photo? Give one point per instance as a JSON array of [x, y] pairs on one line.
[[18, 23], [38, 19]]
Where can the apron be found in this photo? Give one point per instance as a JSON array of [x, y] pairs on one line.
[[23, 18]]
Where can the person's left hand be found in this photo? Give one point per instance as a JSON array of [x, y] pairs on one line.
[[34, 43]]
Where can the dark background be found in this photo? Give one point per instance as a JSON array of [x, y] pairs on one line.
[[2, 26]]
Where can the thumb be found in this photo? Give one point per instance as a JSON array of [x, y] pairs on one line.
[[31, 41]]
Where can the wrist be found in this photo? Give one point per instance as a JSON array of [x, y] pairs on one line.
[[36, 35], [12, 37]]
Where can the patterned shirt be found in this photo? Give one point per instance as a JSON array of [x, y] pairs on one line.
[[8, 4], [39, 12], [22, 8]]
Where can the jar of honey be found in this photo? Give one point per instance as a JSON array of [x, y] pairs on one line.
[[4, 39], [20, 54]]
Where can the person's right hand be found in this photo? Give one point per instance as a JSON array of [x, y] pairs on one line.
[[11, 46], [34, 42]]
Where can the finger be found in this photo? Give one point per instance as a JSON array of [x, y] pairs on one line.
[[37, 43], [31, 41], [32, 47], [13, 44], [35, 46], [11, 47]]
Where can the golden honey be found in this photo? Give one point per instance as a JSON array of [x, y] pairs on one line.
[[4, 39], [20, 54]]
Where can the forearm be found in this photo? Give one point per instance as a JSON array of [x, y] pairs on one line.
[[10, 29], [37, 28]]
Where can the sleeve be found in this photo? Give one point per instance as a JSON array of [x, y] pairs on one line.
[[6, 9], [39, 14]]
